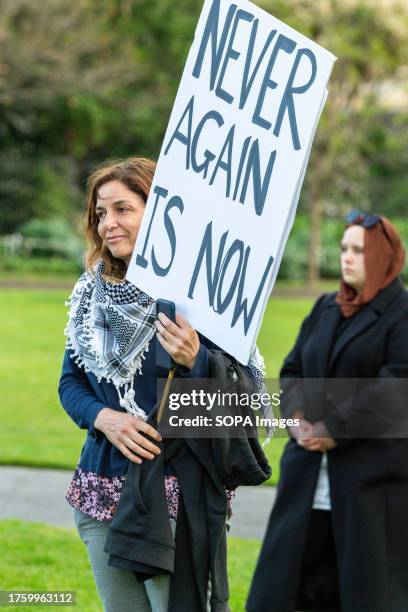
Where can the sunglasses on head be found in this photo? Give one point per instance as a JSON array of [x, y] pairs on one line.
[[366, 220]]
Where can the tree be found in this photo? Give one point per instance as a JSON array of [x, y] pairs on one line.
[[94, 79], [371, 45], [60, 68]]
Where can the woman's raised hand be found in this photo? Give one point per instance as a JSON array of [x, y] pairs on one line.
[[179, 339], [128, 433]]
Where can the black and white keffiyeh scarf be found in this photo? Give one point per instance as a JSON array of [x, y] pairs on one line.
[[109, 330]]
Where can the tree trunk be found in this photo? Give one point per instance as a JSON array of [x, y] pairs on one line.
[[314, 240]]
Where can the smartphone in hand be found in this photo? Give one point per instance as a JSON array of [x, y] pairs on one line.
[[163, 358]]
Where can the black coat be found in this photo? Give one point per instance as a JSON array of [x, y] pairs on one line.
[[140, 537], [368, 477]]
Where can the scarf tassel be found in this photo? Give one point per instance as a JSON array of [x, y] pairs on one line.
[[128, 402]]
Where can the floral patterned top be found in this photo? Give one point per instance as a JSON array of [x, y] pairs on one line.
[[98, 496]]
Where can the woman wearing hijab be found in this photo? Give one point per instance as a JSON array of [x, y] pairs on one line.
[[337, 538], [108, 386]]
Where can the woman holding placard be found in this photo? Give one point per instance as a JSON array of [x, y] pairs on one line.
[[109, 387], [337, 539]]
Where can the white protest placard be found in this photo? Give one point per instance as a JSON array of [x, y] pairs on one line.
[[230, 171]]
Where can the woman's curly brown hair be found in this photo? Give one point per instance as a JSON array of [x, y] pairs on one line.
[[136, 173]]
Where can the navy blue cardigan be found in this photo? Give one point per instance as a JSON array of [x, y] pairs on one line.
[[83, 398]]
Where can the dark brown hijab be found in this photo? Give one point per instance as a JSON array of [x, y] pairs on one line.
[[384, 258]]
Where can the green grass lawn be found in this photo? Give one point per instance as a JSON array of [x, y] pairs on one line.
[[42, 558], [34, 428]]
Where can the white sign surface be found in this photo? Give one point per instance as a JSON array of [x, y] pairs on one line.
[[230, 171]]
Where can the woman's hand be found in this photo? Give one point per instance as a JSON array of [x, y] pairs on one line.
[[124, 431], [303, 430], [315, 437], [179, 339]]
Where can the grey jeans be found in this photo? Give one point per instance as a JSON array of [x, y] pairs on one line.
[[118, 588]]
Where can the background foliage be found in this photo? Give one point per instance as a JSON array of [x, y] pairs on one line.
[[84, 81]]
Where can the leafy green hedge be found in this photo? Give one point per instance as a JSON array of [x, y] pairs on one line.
[[52, 236], [293, 267], [39, 266], [42, 247]]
